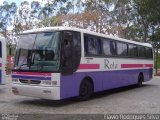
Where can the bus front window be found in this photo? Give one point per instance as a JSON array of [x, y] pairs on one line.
[[38, 52]]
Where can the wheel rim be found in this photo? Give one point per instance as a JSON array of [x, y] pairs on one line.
[[84, 90]]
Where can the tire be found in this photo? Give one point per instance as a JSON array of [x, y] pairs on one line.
[[140, 80], [85, 90]]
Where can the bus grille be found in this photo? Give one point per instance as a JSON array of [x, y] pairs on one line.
[[30, 81]]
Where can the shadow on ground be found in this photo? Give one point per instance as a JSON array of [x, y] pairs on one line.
[[71, 101]]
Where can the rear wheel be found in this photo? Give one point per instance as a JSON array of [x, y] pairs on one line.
[[85, 90], [140, 80]]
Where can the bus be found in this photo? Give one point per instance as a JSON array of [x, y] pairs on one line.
[[2, 60], [62, 62]]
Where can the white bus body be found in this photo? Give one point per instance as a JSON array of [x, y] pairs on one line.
[[118, 62]]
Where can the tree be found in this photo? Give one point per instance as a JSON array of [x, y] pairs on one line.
[[7, 12], [150, 12], [23, 18]]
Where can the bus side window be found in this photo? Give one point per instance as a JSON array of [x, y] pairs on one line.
[[113, 49], [132, 50], [149, 54], [86, 44], [107, 48], [141, 52], [122, 49], [0, 49], [92, 45]]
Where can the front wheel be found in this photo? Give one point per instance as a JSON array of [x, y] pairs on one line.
[[86, 90]]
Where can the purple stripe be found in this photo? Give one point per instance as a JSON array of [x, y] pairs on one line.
[[31, 77], [105, 80]]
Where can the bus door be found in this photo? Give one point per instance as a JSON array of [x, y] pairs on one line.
[[70, 60]]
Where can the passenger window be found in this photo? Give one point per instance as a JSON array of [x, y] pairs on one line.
[[149, 53], [132, 50], [92, 45], [109, 47], [113, 48], [141, 51], [121, 49], [106, 47]]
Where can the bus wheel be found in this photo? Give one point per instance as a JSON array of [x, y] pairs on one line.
[[140, 80], [85, 91]]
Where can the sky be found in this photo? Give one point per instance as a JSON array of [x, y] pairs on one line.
[[18, 1]]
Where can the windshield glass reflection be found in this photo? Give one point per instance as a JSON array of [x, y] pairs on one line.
[[38, 52]]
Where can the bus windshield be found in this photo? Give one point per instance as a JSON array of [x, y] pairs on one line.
[[38, 52]]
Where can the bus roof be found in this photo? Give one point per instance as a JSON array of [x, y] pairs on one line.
[[59, 28]]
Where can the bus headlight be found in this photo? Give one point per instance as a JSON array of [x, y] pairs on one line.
[[15, 80], [46, 82]]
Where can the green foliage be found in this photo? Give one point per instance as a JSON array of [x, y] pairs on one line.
[[150, 13], [157, 62], [7, 12], [131, 19], [151, 8]]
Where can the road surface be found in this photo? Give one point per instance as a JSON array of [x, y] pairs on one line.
[[125, 100]]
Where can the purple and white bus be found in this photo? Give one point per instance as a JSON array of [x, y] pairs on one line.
[[61, 62], [2, 60]]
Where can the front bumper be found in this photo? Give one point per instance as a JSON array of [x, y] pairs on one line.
[[51, 93]]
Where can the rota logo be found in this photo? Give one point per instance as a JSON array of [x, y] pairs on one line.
[[110, 65]]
